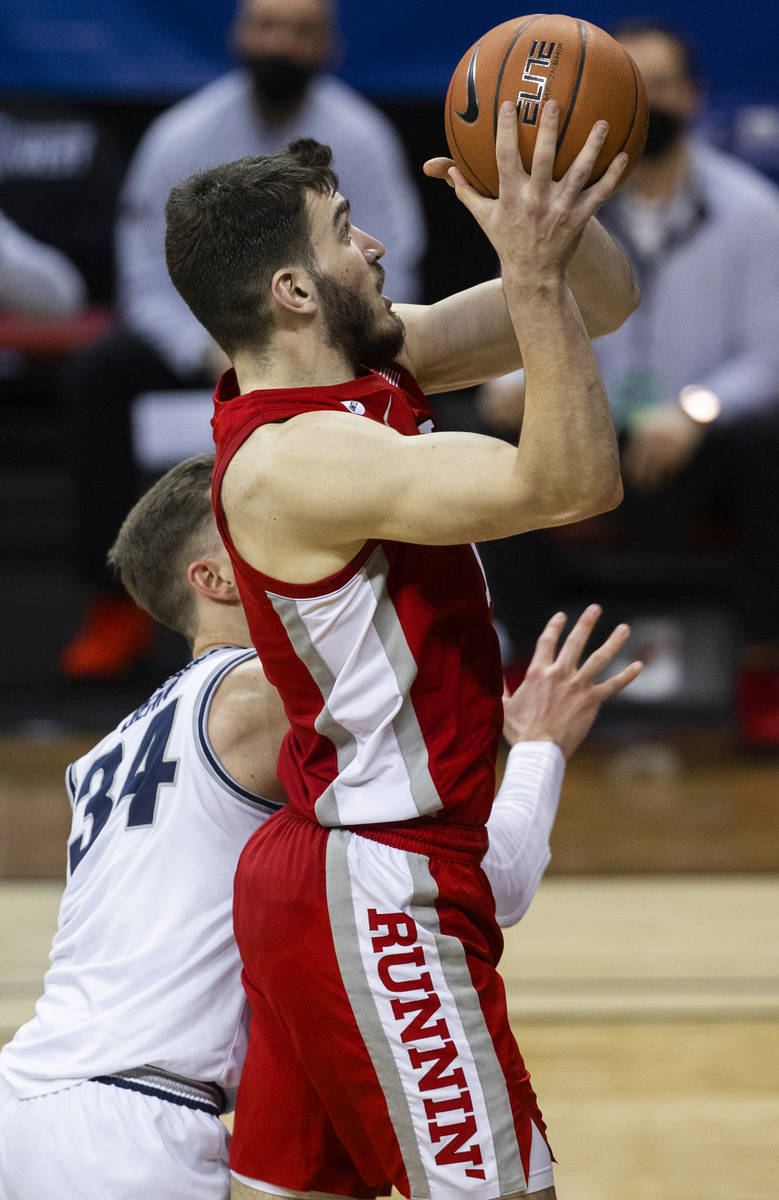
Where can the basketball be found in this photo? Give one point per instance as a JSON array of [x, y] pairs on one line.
[[529, 61]]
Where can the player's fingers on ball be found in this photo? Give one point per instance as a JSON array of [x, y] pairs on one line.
[[506, 146], [437, 168], [574, 644], [546, 142], [580, 170], [598, 192], [472, 199], [611, 177]]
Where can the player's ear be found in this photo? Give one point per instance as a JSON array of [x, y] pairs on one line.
[[214, 580], [292, 288]]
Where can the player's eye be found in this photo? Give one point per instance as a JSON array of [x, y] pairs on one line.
[[346, 232]]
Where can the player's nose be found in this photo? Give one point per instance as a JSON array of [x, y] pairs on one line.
[[370, 246]]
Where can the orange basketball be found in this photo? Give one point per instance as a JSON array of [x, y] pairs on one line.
[[531, 60]]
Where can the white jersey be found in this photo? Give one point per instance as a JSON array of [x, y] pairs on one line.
[[144, 967]]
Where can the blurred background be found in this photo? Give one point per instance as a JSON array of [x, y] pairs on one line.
[[679, 783], [81, 84]]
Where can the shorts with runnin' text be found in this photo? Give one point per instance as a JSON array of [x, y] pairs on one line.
[[380, 1050]]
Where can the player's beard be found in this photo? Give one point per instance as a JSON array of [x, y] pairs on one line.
[[366, 335]]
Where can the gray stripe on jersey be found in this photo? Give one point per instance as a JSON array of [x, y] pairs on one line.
[[326, 807], [458, 978], [347, 949], [409, 737], [71, 786]]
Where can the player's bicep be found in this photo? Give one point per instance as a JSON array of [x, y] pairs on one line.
[[437, 489], [324, 484], [321, 475]]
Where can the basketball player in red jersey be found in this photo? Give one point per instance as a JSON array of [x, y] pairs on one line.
[[380, 1050]]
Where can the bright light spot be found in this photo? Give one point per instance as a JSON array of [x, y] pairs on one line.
[[700, 403]]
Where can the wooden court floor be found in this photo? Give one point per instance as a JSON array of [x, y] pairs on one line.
[[630, 804], [643, 984]]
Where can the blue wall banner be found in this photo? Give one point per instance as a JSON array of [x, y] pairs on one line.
[[158, 49]]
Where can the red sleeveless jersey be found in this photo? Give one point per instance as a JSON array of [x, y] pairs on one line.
[[389, 670]]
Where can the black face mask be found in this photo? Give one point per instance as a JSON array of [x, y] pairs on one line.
[[279, 82], [664, 131]]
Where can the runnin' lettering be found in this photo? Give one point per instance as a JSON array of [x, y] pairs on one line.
[[435, 1059]]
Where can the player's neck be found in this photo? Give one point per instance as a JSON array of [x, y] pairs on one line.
[[218, 625], [293, 361], [200, 647]]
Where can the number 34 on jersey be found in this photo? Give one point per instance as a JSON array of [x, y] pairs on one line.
[[123, 785]]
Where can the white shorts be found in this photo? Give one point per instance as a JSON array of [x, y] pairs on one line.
[[92, 1140]]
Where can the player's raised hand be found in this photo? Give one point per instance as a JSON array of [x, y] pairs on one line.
[[559, 699], [535, 221]]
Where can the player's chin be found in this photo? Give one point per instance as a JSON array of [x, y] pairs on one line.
[[386, 317], [393, 321]]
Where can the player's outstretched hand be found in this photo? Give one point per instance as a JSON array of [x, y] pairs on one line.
[[535, 220], [559, 699]]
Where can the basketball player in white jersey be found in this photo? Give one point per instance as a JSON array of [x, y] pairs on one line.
[[115, 1087]]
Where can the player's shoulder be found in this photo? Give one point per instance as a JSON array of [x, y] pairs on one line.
[[244, 684], [278, 455], [299, 422], [304, 424], [245, 701], [246, 725], [190, 681]]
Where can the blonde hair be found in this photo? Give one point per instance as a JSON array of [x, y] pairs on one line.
[[170, 525]]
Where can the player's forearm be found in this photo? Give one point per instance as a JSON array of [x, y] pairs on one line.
[[567, 455], [520, 826], [601, 279]]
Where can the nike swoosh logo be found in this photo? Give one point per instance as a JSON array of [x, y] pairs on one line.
[[471, 113]]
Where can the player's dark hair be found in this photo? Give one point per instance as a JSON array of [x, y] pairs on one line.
[[231, 227], [170, 526], [645, 26]]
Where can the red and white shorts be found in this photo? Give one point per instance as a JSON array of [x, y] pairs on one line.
[[380, 1051]]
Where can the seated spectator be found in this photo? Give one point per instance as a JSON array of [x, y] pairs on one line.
[[693, 375], [60, 172], [35, 279], [280, 90], [43, 296]]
